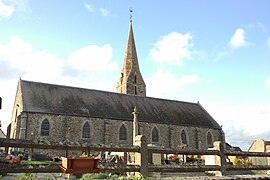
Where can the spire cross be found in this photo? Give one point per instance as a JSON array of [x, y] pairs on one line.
[[130, 13]]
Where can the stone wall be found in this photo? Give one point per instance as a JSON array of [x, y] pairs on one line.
[[106, 131], [16, 114]]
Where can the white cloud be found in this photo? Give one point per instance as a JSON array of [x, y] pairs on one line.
[[170, 84], [104, 12], [247, 120], [89, 67], [173, 48], [89, 8], [268, 42], [20, 56], [238, 39], [5, 10], [92, 58], [267, 82], [257, 25]]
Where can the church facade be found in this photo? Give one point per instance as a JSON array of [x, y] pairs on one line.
[[60, 113]]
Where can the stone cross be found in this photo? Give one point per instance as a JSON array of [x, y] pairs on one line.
[[135, 124]]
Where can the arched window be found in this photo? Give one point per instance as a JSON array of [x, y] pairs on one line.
[[135, 79], [135, 90], [155, 136], [86, 130], [183, 137], [45, 128], [123, 133], [209, 139]]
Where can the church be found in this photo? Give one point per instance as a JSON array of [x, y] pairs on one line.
[[58, 113]]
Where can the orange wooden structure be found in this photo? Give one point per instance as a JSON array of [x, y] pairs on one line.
[[79, 165]]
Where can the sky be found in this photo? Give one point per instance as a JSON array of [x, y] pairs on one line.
[[214, 52]]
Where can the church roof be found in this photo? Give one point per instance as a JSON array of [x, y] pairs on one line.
[[65, 100]]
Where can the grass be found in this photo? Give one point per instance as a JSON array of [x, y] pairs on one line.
[[39, 162], [112, 177]]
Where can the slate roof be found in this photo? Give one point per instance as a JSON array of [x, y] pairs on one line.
[[57, 99]]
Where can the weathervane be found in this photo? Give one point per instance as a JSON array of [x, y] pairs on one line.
[[130, 13]]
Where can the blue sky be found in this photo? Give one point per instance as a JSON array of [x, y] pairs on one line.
[[214, 52]]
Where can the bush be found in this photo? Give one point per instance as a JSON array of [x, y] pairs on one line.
[[240, 161], [95, 176], [25, 176]]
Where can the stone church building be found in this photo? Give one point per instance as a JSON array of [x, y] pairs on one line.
[[60, 113]]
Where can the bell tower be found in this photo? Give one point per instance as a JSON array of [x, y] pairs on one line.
[[131, 80]]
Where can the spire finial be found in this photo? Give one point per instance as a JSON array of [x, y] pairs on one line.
[[130, 14]]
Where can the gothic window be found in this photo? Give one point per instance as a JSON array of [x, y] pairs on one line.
[[209, 139], [135, 90], [135, 79], [86, 130], [183, 137], [155, 135], [123, 133], [45, 128]]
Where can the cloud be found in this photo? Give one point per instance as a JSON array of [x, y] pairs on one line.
[[242, 123], [88, 67], [104, 12], [89, 8], [238, 39], [21, 59], [172, 48], [5, 10], [170, 84], [92, 58], [20, 56], [268, 42], [267, 82], [257, 25]]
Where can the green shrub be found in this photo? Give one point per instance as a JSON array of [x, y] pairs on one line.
[[95, 176], [25, 176], [240, 161]]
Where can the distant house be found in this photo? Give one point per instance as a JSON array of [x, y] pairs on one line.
[[260, 145]]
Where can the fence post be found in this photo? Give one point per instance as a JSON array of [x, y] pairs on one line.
[[221, 160], [141, 158], [222, 153]]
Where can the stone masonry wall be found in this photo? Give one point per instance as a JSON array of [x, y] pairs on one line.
[[106, 131]]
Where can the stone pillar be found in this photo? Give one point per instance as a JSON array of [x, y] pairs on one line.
[[141, 158], [219, 160], [135, 124]]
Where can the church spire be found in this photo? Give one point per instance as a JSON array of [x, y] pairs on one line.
[[131, 80]]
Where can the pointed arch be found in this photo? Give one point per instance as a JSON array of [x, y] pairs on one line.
[[123, 132], [45, 128], [86, 130], [135, 78], [209, 139], [184, 137], [155, 135]]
